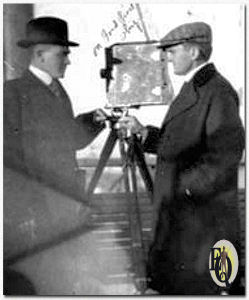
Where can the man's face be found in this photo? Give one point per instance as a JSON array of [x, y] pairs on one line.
[[182, 59], [55, 60]]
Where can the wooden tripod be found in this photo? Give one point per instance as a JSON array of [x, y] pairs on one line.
[[132, 156]]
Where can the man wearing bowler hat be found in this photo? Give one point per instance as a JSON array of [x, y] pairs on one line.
[[198, 147], [41, 134]]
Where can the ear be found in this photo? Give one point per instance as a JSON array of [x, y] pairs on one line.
[[195, 52], [40, 55]]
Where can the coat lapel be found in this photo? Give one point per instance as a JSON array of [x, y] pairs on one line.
[[32, 80], [188, 96], [185, 99], [29, 77], [32, 83]]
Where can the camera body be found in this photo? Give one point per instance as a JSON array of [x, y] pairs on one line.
[[136, 74]]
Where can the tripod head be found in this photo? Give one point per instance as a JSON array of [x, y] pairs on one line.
[[116, 114]]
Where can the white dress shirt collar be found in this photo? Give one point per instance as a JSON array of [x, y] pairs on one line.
[[184, 79], [42, 75], [191, 74]]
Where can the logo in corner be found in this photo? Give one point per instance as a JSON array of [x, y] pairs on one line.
[[223, 263]]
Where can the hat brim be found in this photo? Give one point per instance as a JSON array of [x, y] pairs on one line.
[[29, 43], [169, 45]]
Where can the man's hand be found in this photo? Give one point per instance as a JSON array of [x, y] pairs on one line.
[[133, 125], [100, 116]]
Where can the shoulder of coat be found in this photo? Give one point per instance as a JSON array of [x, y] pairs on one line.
[[204, 75], [15, 88]]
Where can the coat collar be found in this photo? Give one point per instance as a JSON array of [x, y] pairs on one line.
[[42, 75], [32, 79], [31, 82], [204, 75], [187, 95]]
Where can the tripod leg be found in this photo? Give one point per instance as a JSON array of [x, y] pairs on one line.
[[140, 160], [138, 244], [105, 154], [125, 165], [138, 255]]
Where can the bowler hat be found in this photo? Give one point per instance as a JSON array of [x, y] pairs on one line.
[[198, 32], [46, 30]]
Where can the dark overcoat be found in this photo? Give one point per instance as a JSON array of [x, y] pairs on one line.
[[198, 147], [41, 134]]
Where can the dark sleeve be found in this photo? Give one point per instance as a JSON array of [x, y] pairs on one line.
[[87, 129], [151, 142], [12, 125], [218, 165]]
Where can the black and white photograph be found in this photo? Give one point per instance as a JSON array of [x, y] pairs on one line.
[[124, 148]]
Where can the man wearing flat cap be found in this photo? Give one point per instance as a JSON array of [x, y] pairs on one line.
[[41, 134], [198, 147]]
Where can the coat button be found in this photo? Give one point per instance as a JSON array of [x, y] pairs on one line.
[[24, 100], [180, 267], [188, 193]]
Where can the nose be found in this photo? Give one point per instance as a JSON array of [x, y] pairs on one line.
[[67, 61]]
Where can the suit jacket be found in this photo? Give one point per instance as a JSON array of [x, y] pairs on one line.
[[41, 135], [198, 147]]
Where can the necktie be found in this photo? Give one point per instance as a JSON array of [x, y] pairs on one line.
[[56, 89]]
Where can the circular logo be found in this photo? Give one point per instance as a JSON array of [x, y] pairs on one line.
[[223, 263]]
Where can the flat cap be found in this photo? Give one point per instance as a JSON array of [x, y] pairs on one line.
[[198, 32]]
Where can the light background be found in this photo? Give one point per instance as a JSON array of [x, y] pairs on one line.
[[89, 25], [228, 55]]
